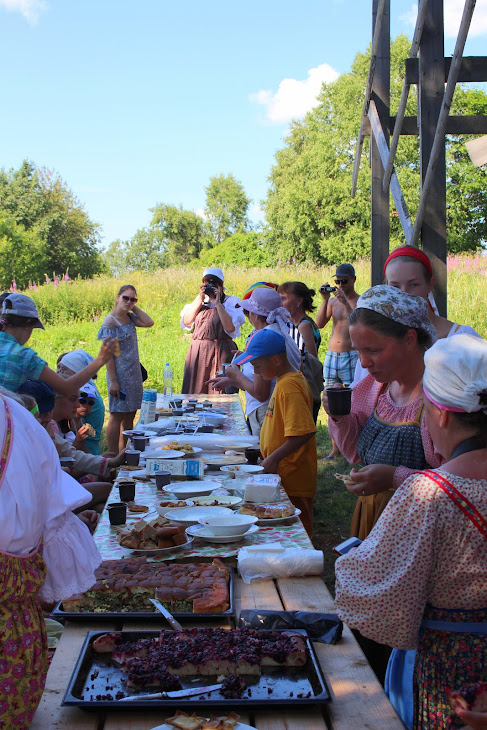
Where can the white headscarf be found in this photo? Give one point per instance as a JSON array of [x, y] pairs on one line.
[[455, 376], [77, 360]]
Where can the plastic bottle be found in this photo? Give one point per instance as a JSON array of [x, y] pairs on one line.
[[167, 380]]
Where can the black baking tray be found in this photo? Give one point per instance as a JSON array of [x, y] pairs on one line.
[[94, 675], [155, 615]]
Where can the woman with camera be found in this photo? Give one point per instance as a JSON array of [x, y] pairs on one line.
[[215, 319]]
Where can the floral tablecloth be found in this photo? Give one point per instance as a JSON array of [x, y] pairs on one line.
[[289, 535]]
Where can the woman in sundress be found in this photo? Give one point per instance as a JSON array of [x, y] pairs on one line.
[[215, 319], [124, 376], [420, 578]]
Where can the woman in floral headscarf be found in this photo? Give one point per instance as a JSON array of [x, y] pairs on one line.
[[385, 430]]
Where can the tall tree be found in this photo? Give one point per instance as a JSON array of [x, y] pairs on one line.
[[62, 236], [309, 208], [226, 208], [180, 230]]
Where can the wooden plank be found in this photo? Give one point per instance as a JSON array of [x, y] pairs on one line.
[[358, 698], [258, 594], [50, 714], [395, 187], [473, 69], [304, 719], [463, 124], [477, 149], [379, 213], [438, 145], [368, 88], [418, 32]]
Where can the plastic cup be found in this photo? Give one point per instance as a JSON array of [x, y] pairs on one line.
[[163, 478], [139, 442], [127, 492], [252, 455], [117, 513], [339, 401], [132, 457]]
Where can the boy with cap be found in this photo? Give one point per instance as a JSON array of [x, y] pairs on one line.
[[341, 358], [287, 438]]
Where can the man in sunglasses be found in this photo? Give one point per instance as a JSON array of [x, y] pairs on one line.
[[341, 357]]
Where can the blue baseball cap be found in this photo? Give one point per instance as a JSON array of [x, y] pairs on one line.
[[263, 343], [43, 393]]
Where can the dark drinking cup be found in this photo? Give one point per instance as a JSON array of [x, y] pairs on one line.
[[252, 455], [139, 442], [163, 478], [127, 491], [339, 401], [117, 513], [132, 457]]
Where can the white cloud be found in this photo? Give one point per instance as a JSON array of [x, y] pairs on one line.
[[453, 10], [256, 212], [294, 98], [201, 214], [30, 9]]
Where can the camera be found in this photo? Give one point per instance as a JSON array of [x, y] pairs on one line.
[[210, 288], [326, 289]]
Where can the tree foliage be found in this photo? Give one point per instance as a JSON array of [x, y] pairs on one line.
[[240, 249], [226, 208], [309, 208], [45, 226]]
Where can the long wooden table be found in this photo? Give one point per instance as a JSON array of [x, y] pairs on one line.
[[358, 700]]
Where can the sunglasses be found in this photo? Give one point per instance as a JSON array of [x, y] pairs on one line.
[[86, 401], [129, 299], [341, 281]]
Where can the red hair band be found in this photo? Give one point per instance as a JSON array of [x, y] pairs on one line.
[[412, 251]]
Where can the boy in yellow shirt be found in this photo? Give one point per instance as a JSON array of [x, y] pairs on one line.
[[287, 439]]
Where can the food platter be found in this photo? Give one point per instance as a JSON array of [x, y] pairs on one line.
[[223, 459], [242, 469], [166, 454], [217, 500], [278, 520], [151, 614], [293, 686], [203, 533], [158, 552]]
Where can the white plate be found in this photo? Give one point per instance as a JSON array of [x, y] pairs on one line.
[[238, 726], [146, 433], [181, 441], [166, 454], [191, 515], [223, 460], [188, 490], [224, 500], [243, 469], [204, 533], [279, 520], [125, 474], [162, 510], [162, 551]]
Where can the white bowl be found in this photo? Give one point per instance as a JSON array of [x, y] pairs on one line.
[[186, 490], [192, 515], [233, 524]]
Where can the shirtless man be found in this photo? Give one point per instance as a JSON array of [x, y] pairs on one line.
[[341, 358]]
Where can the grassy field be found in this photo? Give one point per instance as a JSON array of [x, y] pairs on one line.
[[73, 312]]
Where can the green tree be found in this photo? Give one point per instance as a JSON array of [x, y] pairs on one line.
[[62, 236], [226, 208], [309, 208], [240, 249], [181, 232]]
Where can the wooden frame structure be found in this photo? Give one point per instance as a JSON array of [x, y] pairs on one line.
[[430, 72]]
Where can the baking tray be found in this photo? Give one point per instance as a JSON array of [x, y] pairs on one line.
[[155, 615], [95, 675]]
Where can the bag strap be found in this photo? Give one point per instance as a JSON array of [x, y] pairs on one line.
[[461, 502], [6, 446]]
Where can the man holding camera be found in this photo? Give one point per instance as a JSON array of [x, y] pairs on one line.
[[341, 357]]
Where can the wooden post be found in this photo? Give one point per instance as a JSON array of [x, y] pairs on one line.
[[381, 95], [431, 89]]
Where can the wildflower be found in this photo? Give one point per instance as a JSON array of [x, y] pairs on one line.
[[14, 285], [294, 259]]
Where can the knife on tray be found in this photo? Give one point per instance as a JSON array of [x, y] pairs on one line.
[[169, 617], [189, 692]]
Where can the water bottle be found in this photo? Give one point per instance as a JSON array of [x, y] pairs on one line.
[[167, 380]]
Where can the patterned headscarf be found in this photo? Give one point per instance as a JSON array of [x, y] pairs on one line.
[[407, 309]]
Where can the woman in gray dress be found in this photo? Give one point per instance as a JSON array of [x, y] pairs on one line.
[[123, 371]]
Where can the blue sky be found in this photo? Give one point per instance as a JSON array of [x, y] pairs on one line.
[[138, 103]]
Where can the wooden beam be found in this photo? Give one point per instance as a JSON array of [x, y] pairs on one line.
[[473, 69], [431, 90], [477, 149], [463, 124], [380, 218], [368, 91], [438, 146], [418, 32], [395, 188]]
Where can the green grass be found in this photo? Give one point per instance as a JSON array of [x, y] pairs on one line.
[[73, 312]]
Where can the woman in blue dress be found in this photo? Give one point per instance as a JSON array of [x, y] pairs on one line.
[[124, 377]]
